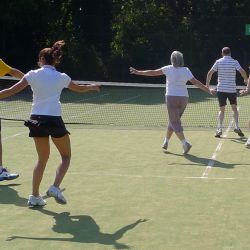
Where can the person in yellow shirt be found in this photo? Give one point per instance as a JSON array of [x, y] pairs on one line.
[[4, 70]]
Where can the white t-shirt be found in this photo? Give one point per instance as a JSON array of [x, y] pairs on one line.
[[176, 79], [226, 68], [47, 84]]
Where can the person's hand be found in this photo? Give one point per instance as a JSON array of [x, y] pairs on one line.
[[245, 81], [95, 87], [243, 92], [132, 70], [213, 91]]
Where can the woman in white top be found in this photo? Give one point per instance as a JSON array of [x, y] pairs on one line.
[[46, 121], [176, 94]]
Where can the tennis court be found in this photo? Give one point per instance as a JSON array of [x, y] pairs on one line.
[[123, 190]]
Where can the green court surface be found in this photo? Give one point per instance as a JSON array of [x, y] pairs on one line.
[[125, 192]]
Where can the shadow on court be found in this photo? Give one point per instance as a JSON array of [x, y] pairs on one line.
[[8, 195], [83, 228], [201, 161]]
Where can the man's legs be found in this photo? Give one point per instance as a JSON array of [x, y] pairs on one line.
[[237, 129]]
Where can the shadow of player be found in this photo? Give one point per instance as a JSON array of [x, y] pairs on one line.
[[83, 229], [8, 195]]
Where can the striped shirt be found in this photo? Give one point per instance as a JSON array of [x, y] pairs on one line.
[[226, 68]]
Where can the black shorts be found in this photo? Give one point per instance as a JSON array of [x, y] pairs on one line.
[[46, 125], [223, 96]]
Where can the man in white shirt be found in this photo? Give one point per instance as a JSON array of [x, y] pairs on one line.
[[226, 68]]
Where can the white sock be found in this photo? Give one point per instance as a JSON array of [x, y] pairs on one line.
[[166, 140], [184, 141]]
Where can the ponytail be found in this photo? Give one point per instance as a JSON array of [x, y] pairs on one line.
[[54, 54]]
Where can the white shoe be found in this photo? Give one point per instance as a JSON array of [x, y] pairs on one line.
[[57, 194], [165, 144], [5, 175], [218, 133], [36, 201], [186, 147], [248, 143]]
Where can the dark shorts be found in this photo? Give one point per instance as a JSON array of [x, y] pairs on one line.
[[46, 125], [223, 96]]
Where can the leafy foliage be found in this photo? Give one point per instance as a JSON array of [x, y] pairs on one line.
[[105, 37]]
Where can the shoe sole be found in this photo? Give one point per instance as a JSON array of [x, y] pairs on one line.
[[57, 200], [30, 205], [10, 178]]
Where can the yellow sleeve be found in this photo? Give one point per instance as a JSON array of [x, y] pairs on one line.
[[4, 68]]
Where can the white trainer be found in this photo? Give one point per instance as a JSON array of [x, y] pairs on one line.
[[186, 147], [165, 144], [34, 201], [57, 194], [5, 175], [248, 143]]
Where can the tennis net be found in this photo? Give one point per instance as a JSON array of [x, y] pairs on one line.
[[125, 105]]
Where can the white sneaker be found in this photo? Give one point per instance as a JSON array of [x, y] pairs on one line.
[[165, 144], [186, 147], [218, 133], [248, 143], [36, 201], [57, 194], [5, 175]]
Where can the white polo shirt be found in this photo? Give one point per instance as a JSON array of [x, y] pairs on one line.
[[226, 68], [47, 84], [176, 79]]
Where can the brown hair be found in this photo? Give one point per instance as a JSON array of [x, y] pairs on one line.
[[54, 54]]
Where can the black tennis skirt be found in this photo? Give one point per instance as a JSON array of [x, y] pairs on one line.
[[46, 125]]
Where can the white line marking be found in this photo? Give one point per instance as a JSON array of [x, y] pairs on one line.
[[151, 176], [86, 99], [13, 136], [218, 148], [99, 108]]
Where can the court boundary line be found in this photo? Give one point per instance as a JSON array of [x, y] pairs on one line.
[[100, 108], [153, 176], [217, 149], [13, 136]]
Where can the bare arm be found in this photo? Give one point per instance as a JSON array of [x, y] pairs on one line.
[[83, 88], [246, 90], [16, 73], [209, 76], [197, 83], [244, 75], [14, 89], [156, 72]]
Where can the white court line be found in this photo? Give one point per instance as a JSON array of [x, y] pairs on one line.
[[152, 176], [99, 108], [87, 99], [13, 136], [218, 148]]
